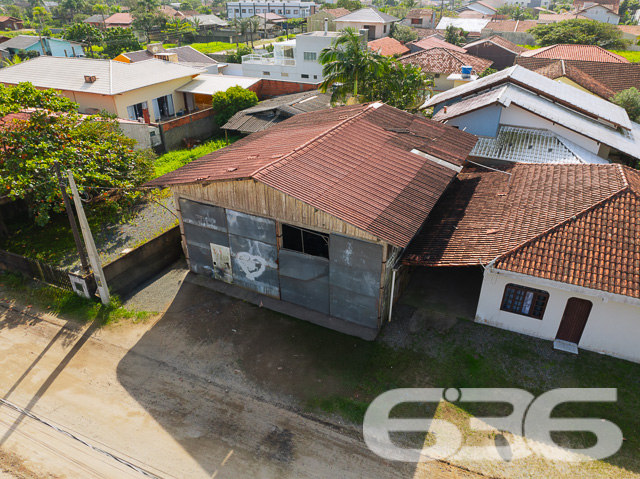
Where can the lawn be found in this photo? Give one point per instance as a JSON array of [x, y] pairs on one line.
[[633, 57], [176, 159], [213, 47]]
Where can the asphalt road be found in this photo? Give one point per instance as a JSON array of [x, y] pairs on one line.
[[147, 413]]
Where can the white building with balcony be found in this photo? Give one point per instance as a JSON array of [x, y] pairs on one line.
[[285, 9], [294, 60]]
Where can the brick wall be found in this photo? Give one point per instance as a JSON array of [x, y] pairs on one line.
[[199, 125], [270, 88]]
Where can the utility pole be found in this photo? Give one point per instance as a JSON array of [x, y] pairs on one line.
[[72, 219], [91, 246]]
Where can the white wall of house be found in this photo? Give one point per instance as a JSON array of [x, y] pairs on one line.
[[380, 30], [601, 14], [89, 101], [612, 328], [150, 93], [476, 7]]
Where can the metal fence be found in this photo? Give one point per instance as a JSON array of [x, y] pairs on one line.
[[34, 269]]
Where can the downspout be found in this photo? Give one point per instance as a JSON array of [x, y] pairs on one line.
[[393, 289]]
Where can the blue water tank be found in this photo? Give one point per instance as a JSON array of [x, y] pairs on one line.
[[466, 70]]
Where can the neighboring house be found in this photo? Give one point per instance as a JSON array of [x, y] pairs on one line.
[[546, 18], [433, 42], [55, 47], [559, 265], [207, 22], [513, 30], [446, 66], [630, 32], [286, 9], [613, 5], [473, 26], [377, 23], [293, 60], [185, 55], [96, 20], [121, 19], [479, 7], [316, 22], [616, 76], [499, 50], [269, 218], [388, 47], [10, 23], [198, 92], [592, 129], [600, 13], [592, 53], [427, 32], [420, 18], [569, 73], [269, 113], [128, 90]]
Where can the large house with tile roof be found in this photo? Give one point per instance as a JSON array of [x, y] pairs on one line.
[[309, 216], [377, 23], [570, 125], [433, 42], [566, 72], [560, 260], [499, 50], [445, 65], [591, 53], [388, 47]]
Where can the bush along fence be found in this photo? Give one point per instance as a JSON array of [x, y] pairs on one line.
[[84, 285]]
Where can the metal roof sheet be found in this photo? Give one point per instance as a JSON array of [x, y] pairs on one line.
[[367, 15], [578, 99], [61, 73], [20, 42], [210, 84], [467, 24]]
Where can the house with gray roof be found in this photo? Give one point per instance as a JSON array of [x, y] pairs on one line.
[[377, 23], [522, 116], [56, 47], [185, 55]]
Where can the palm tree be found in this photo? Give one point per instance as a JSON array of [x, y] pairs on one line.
[[254, 25], [245, 26], [348, 66]]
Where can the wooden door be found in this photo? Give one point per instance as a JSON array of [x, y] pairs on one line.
[[574, 320]]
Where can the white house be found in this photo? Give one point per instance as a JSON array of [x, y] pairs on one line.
[[286, 9], [293, 60], [592, 129], [377, 23], [559, 248], [480, 7], [600, 13]]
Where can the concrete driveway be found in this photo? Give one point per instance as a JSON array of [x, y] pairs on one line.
[[177, 396]]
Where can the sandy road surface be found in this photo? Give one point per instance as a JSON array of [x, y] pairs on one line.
[[72, 376]]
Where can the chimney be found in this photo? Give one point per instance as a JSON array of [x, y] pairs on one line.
[[166, 56], [326, 25], [90, 78]]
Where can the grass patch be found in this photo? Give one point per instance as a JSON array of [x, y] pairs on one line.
[[633, 57], [66, 303], [175, 159], [212, 47]]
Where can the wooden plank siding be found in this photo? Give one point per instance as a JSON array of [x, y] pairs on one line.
[[255, 198]]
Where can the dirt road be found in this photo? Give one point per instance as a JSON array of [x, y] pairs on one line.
[[142, 407]]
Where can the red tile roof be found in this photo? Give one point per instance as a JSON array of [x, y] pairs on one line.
[[560, 69], [426, 32], [354, 163], [499, 41], [511, 25], [387, 46], [441, 60], [559, 17], [630, 29], [613, 5], [121, 18], [487, 213], [592, 53], [337, 12], [435, 42], [597, 248], [616, 76]]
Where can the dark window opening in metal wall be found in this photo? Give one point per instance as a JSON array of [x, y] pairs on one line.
[[305, 241]]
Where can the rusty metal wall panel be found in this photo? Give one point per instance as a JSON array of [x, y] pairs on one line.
[[355, 271], [203, 215], [252, 227], [304, 280], [254, 262]]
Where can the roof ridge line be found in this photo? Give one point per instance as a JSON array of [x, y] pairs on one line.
[[563, 222], [308, 142]]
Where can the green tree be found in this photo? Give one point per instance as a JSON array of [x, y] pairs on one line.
[[630, 101], [348, 67], [487, 72], [454, 35], [84, 33], [176, 29], [118, 40], [402, 86], [102, 10], [350, 5], [403, 33], [515, 12], [236, 56], [147, 17], [228, 103], [580, 32], [93, 147], [70, 8]]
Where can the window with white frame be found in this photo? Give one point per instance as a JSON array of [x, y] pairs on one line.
[[310, 56]]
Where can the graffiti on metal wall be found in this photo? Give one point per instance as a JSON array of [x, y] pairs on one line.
[[253, 266]]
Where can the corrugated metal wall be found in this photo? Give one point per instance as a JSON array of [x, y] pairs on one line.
[[242, 249]]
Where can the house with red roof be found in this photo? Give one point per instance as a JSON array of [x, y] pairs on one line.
[[309, 217], [433, 42], [592, 53], [121, 19], [420, 18], [388, 47]]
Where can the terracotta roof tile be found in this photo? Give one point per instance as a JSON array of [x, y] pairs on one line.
[[592, 53], [388, 47], [559, 17], [354, 163], [561, 69], [511, 25], [426, 32], [441, 60], [616, 76], [435, 42], [337, 12], [486, 214], [500, 41]]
